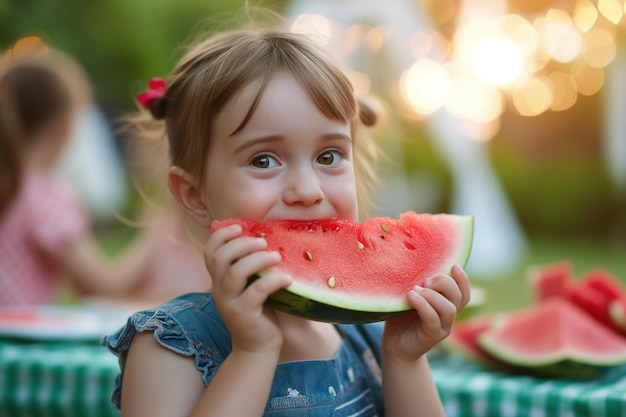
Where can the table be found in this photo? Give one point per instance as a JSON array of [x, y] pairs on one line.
[[75, 379], [469, 390], [64, 379]]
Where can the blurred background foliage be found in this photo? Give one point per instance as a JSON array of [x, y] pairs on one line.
[[120, 43], [551, 165]]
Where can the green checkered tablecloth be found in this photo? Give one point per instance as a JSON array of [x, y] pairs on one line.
[[468, 390], [73, 379], [56, 379]]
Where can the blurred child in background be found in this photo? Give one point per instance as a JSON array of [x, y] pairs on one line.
[[45, 233], [178, 265]]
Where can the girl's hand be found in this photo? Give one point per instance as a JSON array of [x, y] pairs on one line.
[[231, 259], [436, 304]]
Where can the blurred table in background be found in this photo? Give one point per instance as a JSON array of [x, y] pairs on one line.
[[469, 390], [52, 363], [56, 379], [55, 367]]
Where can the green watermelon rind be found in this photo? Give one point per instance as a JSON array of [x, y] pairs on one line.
[[322, 305]]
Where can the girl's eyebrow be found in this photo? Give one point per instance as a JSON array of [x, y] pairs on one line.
[[276, 138], [261, 139]]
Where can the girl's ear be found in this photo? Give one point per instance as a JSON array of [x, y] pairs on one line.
[[188, 196]]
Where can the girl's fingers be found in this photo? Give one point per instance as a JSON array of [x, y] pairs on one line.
[[226, 249], [235, 280], [219, 238], [435, 310], [447, 287], [258, 291], [462, 280], [420, 303]]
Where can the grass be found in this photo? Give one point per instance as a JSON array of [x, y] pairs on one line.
[[513, 290]]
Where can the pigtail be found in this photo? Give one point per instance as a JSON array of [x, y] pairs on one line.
[[145, 144], [367, 115], [157, 108]]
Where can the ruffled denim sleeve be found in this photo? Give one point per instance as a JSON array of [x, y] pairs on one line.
[[188, 325]]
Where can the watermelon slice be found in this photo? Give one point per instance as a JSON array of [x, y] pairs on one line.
[[464, 340], [350, 272], [600, 294], [554, 338]]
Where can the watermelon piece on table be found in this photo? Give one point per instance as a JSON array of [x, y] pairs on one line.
[[598, 292], [552, 280], [463, 340], [555, 338], [603, 282], [349, 272]]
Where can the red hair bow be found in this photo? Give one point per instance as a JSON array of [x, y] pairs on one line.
[[156, 89]]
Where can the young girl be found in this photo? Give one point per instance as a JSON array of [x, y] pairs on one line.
[[262, 124], [44, 231]]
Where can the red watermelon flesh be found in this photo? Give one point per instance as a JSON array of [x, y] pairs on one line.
[[603, 282], [552, 333], [552, 280], [345, 271], [464, 339], [596, 292]]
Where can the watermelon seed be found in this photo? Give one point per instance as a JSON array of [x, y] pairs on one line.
[[308, 256], [260, 234], [384, 227], [331, 282], [360, 245]]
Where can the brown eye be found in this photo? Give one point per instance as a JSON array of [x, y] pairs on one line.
[[328, 158], [263, 161]]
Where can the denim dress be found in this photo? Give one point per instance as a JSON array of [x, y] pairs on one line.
[[349, 384]]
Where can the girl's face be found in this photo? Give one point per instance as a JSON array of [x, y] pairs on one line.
[[288, 162]]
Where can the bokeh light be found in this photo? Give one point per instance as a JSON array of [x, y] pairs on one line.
[[585, 15], [497, 61], [599, 48], [611, 9], [426, 86], [490, 58], [472, 99], [533, 98], [318, 26], [561, 40]]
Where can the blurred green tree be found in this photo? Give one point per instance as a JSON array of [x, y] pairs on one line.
[[120, 43]]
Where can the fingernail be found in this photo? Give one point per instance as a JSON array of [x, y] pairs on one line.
[[261, 241], [428, 282], [418, 289], [235, 227]]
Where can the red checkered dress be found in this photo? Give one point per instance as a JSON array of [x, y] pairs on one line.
[[44, 217]]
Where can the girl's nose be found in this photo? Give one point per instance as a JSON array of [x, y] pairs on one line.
[[303, 188]]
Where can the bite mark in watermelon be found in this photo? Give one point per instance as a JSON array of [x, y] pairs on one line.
[[554, 338], [349, 272]]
